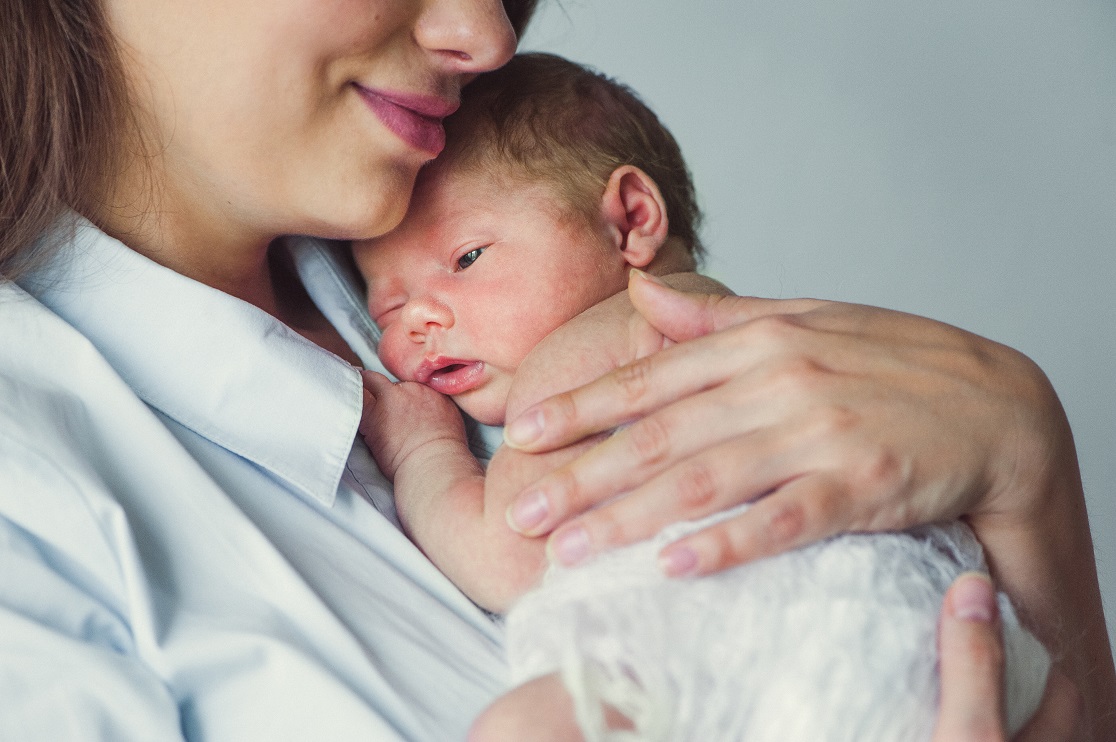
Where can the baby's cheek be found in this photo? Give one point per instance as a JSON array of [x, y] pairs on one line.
[[392, 355]]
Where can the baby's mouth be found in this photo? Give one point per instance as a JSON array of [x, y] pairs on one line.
[[446, 370], [450, 376]]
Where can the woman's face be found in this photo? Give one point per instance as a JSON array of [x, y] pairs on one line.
[[298, 116]]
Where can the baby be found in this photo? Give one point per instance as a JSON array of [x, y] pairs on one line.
[[557, 188]]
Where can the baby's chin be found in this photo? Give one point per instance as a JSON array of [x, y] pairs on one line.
[[483, 411]]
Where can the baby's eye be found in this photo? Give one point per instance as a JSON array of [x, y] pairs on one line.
[[469, 258]]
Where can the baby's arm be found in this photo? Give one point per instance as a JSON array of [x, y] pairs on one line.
[[446, 502], [418, 440]]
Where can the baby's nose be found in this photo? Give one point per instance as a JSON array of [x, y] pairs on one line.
[[424, 317]]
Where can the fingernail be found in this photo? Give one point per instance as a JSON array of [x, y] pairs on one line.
[[678, 561], [571, 546], [528, 511], [974, 598], [524, 430], [647, 276]]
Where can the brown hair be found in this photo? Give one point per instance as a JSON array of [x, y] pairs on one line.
[[64, 111], [63, 103], [570, 126]]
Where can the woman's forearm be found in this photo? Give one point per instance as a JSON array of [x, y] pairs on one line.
[[832, 417], [1042, 556]]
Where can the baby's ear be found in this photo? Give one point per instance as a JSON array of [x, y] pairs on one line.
[[635, 215]]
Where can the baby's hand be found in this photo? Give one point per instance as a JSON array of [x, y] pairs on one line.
[[400, 418]]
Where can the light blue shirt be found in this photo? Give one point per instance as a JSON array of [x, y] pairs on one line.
[[193, 543]]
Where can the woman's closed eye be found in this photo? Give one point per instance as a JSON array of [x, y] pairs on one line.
[[470, 257]]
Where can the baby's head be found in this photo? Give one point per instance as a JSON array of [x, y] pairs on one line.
[[555, 181]]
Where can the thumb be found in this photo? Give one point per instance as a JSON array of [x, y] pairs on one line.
[[971, 663], [373, 383], [684, 315], [678, 315]]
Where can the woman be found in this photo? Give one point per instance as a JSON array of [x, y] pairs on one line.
[[193, 546]]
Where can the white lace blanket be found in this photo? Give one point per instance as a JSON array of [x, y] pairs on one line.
[[832, 643]]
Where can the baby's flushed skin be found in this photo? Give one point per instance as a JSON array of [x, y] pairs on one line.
[[451, 290], [456, 314], [480, 294]]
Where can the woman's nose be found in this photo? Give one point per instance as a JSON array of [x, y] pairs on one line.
[[470, 36], [423, 317]]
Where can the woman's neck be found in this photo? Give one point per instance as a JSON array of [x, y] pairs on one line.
[[234, 263], [239, 262]]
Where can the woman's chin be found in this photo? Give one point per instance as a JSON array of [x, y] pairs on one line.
[[362, 215]]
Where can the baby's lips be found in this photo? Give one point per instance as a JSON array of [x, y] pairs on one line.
[[457, 377]]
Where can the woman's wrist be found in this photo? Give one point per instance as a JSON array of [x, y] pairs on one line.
[[1034, 527]]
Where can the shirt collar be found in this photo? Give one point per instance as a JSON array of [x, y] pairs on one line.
[[219, 366]]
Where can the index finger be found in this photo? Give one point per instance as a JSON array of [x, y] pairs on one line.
[[645, 385], [628, 393]]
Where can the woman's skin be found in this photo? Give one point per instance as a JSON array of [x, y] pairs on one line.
[[838, 418], [259, 119], [972, 671], [224, 85]]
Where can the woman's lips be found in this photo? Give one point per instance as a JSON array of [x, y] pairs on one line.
[[416, 119], [451, 376]]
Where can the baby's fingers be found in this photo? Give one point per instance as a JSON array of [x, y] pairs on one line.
[[374, 381], [374, 384]]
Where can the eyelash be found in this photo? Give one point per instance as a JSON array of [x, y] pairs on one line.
[[464, 262]]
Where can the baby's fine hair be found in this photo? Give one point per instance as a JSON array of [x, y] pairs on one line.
[[562, 123]]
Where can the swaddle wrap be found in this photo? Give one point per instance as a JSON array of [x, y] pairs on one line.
[[834, 642]]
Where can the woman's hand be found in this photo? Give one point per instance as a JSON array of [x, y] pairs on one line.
[[831, 418], [972, 667], [834, 417]]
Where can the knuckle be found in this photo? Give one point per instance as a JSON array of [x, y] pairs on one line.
[[827, 505], [564, 492], [561, 410], [786, 523], [605, 528], [633, 380], [879, 470], [697, 487], [649, 440], [829, 421], [773, 330], [719, 549], [736, 544], [984, 655], [800, 376]]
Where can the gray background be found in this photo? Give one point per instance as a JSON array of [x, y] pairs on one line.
[[955, 159]]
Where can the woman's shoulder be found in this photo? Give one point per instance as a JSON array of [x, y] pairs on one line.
[[58, 397], [45, 360]]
